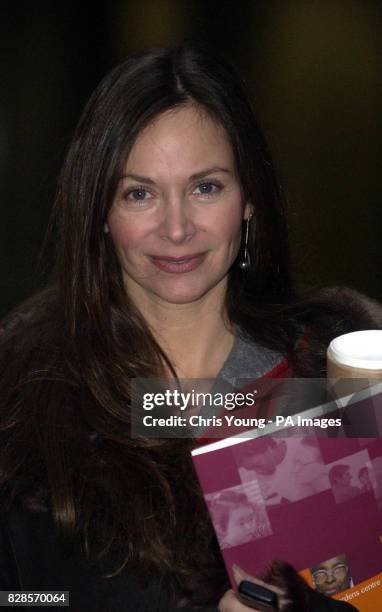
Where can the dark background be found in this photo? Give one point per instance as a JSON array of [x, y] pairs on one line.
[[313, 70]]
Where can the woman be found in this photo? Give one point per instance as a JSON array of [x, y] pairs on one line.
[[172, 260]]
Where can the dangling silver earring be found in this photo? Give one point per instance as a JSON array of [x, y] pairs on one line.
[[246, 261]]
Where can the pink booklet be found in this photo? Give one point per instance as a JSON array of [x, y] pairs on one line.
[[311, 500]]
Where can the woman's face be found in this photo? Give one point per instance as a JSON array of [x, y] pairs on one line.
[[177, 214]]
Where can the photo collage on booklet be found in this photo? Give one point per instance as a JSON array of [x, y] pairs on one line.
[[314, 501]]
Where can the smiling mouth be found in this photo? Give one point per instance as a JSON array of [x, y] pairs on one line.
[[178, 265]]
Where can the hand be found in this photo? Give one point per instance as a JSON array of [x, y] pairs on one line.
[[231, 603]]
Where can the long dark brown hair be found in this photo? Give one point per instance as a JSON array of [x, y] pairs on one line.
[[69, 353]]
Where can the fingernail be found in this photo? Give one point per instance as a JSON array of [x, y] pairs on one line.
[[239, 573]]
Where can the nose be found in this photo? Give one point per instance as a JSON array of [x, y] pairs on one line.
[[176, 224]]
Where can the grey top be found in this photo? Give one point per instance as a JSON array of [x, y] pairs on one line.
[[247, 359]]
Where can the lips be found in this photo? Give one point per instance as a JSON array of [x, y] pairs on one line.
[[178, 265]]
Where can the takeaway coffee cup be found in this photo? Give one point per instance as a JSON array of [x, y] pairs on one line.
[[354, 365], [356, 355]]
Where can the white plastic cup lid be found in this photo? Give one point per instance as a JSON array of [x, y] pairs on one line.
[[361, 349]]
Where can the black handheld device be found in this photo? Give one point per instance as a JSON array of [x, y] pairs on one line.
[[256, 596]]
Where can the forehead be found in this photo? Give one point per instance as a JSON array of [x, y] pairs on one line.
[[181, 140], [333, 562]]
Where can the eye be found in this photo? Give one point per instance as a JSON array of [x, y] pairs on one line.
[[136, 196], [207, 189], [139, 194]]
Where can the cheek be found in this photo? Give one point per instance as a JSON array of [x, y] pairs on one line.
[[125, 236], [228, 227]]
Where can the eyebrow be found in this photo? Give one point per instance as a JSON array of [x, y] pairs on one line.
[[322, 567], [193, 177]]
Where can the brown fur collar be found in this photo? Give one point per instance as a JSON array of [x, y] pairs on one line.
[[326, 314]]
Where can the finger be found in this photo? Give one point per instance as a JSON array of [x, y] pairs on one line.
[[227, 602], [230, 603]]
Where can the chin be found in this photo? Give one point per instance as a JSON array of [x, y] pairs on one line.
[[181, 297], [181, 292]]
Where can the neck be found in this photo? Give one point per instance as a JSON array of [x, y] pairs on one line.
[[196, 336]]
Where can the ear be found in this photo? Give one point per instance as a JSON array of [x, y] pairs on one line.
[[106, 228], [248, 211]]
